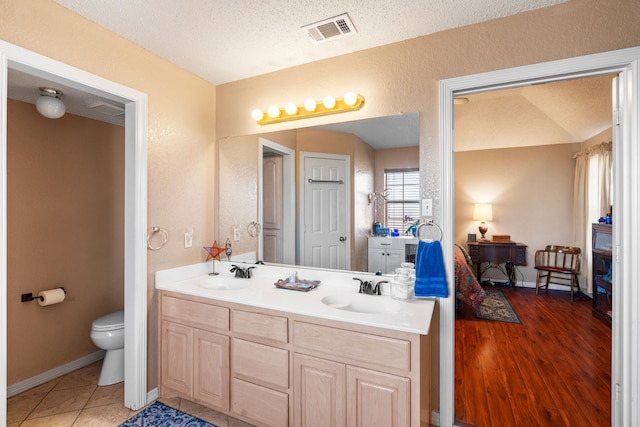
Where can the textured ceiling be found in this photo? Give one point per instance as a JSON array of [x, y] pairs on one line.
[[224, 41]]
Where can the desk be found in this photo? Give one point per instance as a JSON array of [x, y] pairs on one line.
[[496, 253]]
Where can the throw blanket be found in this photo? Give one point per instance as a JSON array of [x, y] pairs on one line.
[[431, 278]]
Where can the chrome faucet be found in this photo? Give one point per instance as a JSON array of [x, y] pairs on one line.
[[241, 273], [367, 287]]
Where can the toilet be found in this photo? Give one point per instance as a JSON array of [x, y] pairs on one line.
[[107, 333]]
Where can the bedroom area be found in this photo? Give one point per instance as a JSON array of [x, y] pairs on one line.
[[540, 157]]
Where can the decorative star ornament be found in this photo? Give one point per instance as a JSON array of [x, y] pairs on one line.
[[213, 251]]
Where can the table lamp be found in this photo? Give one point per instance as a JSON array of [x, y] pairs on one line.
[[483, 212]]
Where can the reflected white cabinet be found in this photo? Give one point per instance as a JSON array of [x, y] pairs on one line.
[[386, 253]]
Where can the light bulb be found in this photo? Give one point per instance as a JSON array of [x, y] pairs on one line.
[[329, 102], [50, 107], [273, 112], [291, 108], [310, 105], [350, 99], [257, 114]]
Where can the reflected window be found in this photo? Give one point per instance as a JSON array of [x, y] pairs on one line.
[[402, 198]]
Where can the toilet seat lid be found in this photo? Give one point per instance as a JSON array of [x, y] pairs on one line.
[[109, 322]]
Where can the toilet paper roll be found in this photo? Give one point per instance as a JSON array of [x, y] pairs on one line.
[[52, 296]]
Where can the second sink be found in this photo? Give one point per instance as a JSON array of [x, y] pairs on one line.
[[360, 303]]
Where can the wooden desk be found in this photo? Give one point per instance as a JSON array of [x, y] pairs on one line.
[[496, 253]]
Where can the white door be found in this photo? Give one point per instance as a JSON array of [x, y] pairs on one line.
[[325, 241], [272, 209]]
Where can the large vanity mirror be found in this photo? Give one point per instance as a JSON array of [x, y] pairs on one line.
[[304, 196]]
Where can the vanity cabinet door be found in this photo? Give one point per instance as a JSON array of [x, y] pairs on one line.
[[318, 392], [376, 399], [211, 369], [177, 356]]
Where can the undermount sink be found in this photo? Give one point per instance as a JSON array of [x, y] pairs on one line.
[[224, 283], [361, 303]]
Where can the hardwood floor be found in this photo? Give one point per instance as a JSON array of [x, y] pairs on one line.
[[554, 369]]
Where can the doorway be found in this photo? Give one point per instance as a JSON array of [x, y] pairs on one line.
[[276, 207], [135, 277], [626, 235]]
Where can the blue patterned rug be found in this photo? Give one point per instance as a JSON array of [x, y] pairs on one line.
[[160, 415], [496, 307]]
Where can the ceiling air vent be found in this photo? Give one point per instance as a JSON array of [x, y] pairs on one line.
[[332, 28], [107, 109]]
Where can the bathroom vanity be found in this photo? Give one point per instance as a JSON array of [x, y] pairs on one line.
[[278, 357]]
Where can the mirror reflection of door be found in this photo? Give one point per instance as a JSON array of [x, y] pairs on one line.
[[272, 207], [325, 211]]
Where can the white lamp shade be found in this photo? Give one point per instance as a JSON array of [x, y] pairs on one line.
[[50, 107], [483, 212]]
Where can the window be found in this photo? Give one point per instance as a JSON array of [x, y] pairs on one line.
[[402, 201]]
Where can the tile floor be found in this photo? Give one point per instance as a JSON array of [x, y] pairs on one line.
[[76, 400]]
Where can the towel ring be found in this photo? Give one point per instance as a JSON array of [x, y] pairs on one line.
[[253, 229], [165, 236], [430, 222]]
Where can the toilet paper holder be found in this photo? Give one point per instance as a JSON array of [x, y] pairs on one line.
[[30, 297]]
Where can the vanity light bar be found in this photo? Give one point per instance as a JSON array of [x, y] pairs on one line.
[[310, 108]]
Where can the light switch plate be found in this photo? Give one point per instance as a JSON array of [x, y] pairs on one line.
[[427, 207]]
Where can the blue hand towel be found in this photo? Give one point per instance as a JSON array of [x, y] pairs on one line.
[[431, 278]]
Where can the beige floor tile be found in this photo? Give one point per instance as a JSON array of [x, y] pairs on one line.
[[233, 422], [106, 395], [14, 424], [204, 413], [63, 401], [59, 420], [174, 402], [103, 416], [42, 388], [84, 376], [20, 406]]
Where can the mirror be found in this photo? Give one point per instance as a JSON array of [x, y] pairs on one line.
[[279, 188]]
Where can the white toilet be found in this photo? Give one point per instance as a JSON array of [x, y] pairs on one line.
[[107, 333]]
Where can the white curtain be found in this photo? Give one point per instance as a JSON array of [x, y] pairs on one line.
[[591, 199]]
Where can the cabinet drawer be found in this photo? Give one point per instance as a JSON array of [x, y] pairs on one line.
[[262, 327], [203, 316], [387, 243], [261, 404], [353, 347], [264, 364]]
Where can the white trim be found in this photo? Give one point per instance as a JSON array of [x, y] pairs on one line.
[[153, 395], [626, 330], [135, 286], [54, 373], [288, 199]]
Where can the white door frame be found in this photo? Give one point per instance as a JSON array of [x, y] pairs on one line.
[[288, 199], [626, 232], [135, 209]]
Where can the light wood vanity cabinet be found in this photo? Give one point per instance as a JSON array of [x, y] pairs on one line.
[[195, 362], [280, 369]]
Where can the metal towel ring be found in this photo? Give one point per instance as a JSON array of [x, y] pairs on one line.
[[430, 222], [165, 236], [253, 229]]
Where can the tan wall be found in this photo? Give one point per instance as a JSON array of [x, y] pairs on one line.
[[65, 228], [405, 76], [181, 127], [531, 190], [398, 77]]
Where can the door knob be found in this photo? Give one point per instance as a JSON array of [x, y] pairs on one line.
[[343, 238]]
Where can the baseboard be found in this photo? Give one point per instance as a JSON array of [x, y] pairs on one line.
[[435, 418], [153, 395], [51, 374], [552, 286]]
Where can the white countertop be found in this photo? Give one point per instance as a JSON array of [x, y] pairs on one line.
[[412, 316]]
